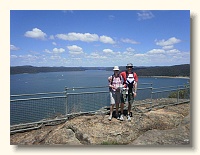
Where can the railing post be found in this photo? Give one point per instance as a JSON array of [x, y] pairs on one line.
[[177, 94], [151, 94], [66, 112]]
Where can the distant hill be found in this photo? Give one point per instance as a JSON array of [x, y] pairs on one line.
[[32, 69], [177, 70]]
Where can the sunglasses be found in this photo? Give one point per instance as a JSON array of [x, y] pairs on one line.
[[129, 67]]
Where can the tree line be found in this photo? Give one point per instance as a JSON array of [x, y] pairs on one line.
[[176, 70]]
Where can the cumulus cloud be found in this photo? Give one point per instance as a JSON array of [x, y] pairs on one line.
[[156, 51], [47, 51], [95, 55], [130, 41], [58, 50], [74, 49], [168, 47], [129, 49], [108, 51], [106, 39], [169, 42], [173, 51], [13, 48], [86, 37], [36, 34], [144, 15], [54, 43]]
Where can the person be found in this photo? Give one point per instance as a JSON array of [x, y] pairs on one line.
[[130, 79], [115, 85]]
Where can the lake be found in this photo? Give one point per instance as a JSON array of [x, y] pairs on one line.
[[57, 81], [26, 111]]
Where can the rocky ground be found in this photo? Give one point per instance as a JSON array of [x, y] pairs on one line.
[[163, 125]]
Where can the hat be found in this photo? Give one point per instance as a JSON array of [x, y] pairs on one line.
[[129, 65], [116, 68]]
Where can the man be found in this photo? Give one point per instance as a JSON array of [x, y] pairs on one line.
[[130, 79]]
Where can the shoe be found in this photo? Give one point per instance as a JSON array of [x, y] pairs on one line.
[[109, 118], [121, 117], [117, 116], [129, 118]]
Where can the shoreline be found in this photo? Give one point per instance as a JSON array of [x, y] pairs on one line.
[[176, 77]]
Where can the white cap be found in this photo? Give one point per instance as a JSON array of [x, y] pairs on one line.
[[116, 68]]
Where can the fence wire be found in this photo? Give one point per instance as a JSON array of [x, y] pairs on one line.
[[30, 108]]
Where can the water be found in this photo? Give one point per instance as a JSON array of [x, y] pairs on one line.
[[56, 81], [36, 110]]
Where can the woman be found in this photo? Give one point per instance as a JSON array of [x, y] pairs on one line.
[[115, 85]]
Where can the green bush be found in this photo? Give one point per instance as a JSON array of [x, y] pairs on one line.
[[183, 93]]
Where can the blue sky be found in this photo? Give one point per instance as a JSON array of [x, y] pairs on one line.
[[99, 38]]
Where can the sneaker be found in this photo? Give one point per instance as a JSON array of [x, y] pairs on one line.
[[110, 117], [121, 117], [117, 116], [129, 118]]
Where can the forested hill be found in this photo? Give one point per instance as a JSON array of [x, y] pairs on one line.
[[32, 69], [177, 70]]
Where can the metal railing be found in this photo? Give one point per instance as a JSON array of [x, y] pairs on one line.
[[39, 108]]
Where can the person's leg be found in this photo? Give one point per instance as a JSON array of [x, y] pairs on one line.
[[130, 102], [111, 111], [117, 101], [112, 103], [122, 107]]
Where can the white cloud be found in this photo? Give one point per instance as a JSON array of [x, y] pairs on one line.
[[36, 34], [13, 48], [130, 41], [173, 51], [168, 47], [47, 51], [156, 51], [51, 37], [129, 49], [74, 49], [168, 42], [106, 39], [54, 43], [58, 50], [86, 37], [144, 15], [13, 56], [55, 57], [108, 51], [96, 55]]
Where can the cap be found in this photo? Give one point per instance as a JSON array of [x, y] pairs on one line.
[[129, 65], [116, 68]]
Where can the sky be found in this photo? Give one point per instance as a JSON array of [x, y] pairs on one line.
[[99, 38]]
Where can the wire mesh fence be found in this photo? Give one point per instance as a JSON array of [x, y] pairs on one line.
[[27, 108]]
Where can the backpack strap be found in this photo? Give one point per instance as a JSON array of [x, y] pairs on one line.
[[113, 78]]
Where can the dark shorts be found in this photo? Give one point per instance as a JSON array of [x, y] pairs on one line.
[[127, 97]]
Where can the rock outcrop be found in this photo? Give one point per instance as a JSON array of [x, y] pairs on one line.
[[169, 125]]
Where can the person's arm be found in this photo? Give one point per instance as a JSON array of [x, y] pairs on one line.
[[136, 81], [135, 88], [109, 82]]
